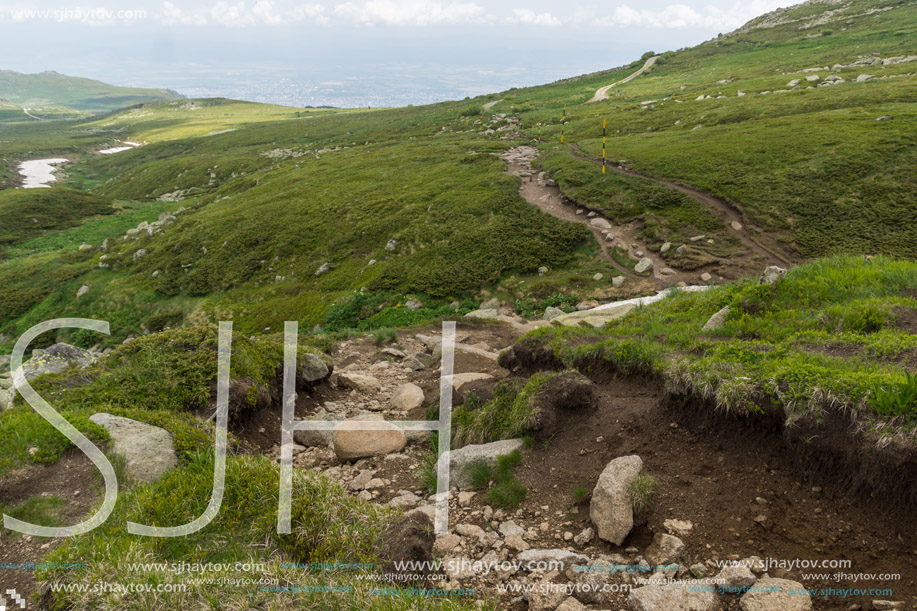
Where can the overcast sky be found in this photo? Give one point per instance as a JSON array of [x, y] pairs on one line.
[[461, 46]]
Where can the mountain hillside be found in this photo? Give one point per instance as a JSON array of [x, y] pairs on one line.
[[686, 305], [44, 92]]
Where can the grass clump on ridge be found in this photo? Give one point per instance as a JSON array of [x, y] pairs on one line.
[[825, 337], [329, 526]]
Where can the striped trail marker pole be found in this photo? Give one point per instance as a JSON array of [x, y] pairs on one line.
[[563, 124], [603, 146], [539, 131]]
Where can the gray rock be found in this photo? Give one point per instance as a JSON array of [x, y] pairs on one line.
[[584, 537], [611, 508], [482, 313], [510, 528], [408, 397], [352, 443], [538, 559], [598, 277], [460, 459], [772, 274], [312, 368], [665, 549], [55, 359], [413, 304], [391, 245], [413, 364], [356, 381], [324, 268], [617, 281], [681, 250], [491, 304], [644, 266], [139, 254], [600, 223], [147, 450], [706, 277], [717, 320], [542, 270], [82, 291], [772, 594], [665, 247], [318, 439], [679, 528], [394, 352], [672, 597], [571, 604], [736, 576], [551, 313]]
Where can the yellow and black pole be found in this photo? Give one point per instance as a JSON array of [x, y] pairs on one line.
[[563, 123], [603, 146], [539, 131]]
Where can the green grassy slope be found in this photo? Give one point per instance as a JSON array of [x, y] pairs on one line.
[[413, 201], [80, 94], [812, 166]]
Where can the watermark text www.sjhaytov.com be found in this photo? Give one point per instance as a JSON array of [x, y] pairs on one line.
[[83, 15]]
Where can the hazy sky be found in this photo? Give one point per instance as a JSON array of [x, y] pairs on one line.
[[442, 47]]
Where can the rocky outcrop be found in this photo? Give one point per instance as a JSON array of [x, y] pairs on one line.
[[147, 450]]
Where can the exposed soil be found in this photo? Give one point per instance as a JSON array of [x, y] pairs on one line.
[[73, 478], [721, 478], [745, 485]]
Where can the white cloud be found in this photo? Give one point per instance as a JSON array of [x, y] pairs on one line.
[[410, 12], [680, 16], [524, 15], [240, 14]]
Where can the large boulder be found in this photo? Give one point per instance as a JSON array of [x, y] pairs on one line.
[[595, 318], [644, 266], [352, 443], [771, 594], [772, 274], [611, 508], [673, 597], [147, 450], [407, 397], [313, 368], [460, 459], [54, 359]]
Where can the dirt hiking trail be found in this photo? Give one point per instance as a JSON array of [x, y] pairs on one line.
[[602, 92]]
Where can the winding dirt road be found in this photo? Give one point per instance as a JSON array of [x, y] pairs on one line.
[[602, 92], [735, 221], [521, 160]]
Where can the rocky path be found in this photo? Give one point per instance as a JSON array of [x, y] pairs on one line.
[[542, 193], [721, 497], [602, 92], [750, 236]]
